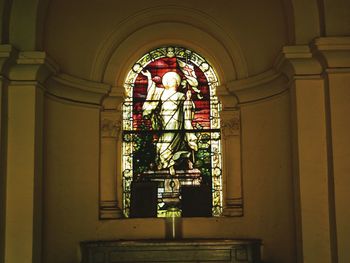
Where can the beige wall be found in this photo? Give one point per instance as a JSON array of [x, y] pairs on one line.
[[266, 152], [71, 155]]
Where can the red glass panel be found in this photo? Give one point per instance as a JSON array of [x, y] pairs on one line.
[[157, 69]]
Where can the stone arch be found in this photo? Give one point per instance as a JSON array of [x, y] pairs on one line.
[[167, 25]]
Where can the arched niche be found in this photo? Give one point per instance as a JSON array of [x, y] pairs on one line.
[[112, 153]]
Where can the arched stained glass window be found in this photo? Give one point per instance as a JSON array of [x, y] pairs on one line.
[[171, 136]]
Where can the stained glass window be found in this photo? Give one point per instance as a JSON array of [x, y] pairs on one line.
[[171, 136]]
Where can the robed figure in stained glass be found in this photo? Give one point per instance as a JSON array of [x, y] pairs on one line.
[[171, 112], [171, 136]]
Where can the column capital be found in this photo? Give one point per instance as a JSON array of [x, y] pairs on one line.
[[31, 66], [334, 52], [8, 56], [230, 122], [114, 100], [298, 61], [111, 124]]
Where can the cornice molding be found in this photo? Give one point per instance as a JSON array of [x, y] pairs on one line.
[[252, 89], [251, 82], [75, 89], [258, 87], [332, 43]]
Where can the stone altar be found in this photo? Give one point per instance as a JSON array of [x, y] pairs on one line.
[[186, 250]]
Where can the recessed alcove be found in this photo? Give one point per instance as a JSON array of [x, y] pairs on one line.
[[171, 141]]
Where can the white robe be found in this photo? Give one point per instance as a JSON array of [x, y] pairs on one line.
[[170, 110]]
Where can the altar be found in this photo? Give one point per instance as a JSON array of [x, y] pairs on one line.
[[186, 250]]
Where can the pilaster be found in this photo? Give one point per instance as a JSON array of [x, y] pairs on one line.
[[310, 153], [7, 53], [334, 53], [231, 134], [110, 172], [24, 156]]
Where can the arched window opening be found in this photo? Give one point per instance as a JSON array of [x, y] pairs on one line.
[[171, 153]]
